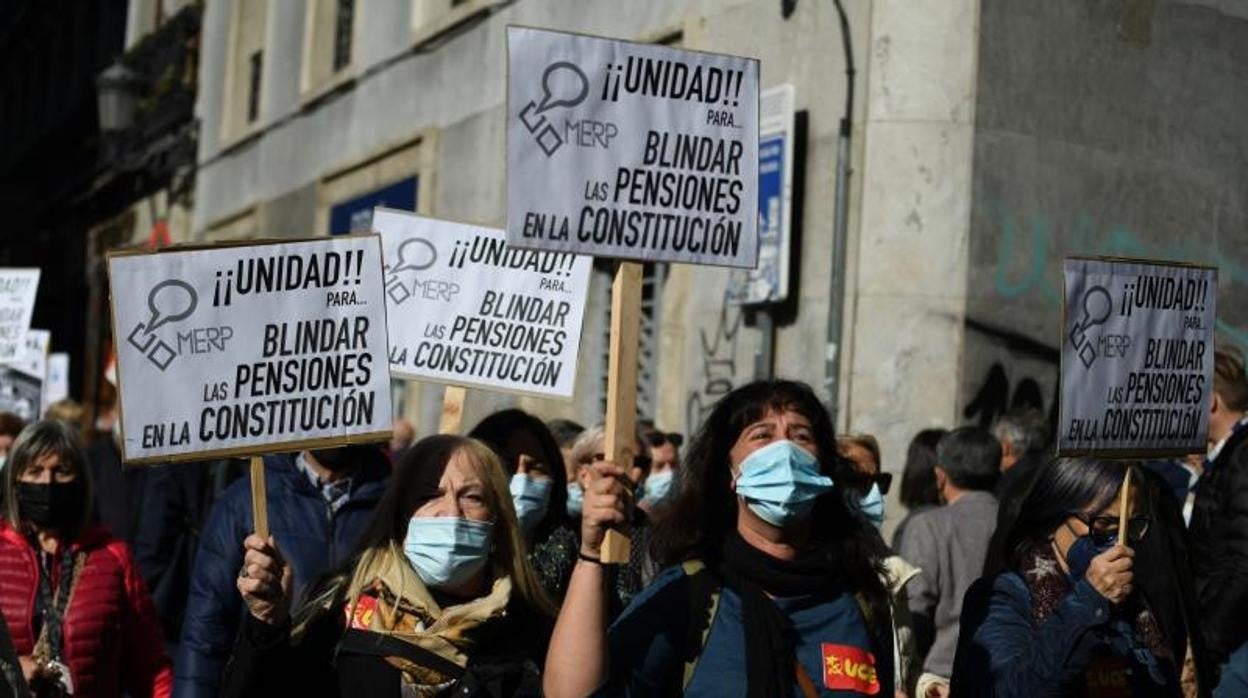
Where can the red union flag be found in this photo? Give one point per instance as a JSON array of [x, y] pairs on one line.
[[849, 668]]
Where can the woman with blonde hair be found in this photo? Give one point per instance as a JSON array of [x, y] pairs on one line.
[[439, 599]]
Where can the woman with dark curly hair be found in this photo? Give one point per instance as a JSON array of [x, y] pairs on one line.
[[537, 481], [772, 583]]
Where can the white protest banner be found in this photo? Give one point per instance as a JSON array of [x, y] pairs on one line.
[[467, 309], [17, 302], [22, 379], [1137, 358], [630, 150], [56, 387], [250, 349]]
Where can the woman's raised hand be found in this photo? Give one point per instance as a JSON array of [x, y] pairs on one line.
[[608, 494], [264, 580], [1111, 573]]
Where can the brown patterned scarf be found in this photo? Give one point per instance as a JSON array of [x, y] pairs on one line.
[[1048, 585]]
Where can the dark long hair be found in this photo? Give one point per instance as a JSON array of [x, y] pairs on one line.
[[918, 480], [497, 430], [415, 480], [704, 510], [1060, 488], [49, 437]]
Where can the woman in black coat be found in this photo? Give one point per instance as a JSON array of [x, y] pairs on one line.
[[440, 599]]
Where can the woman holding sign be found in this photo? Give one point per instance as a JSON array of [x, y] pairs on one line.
[[532, 459], [1065, 609], [770, 588], [81, 620], [439, 599]]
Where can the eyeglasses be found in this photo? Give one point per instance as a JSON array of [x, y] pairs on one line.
[[1104, 529], [658, 438]]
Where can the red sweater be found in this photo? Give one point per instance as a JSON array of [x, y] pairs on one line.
[[112, 638]]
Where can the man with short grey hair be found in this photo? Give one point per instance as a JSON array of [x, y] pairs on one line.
[[1024, 436], [948, 545]]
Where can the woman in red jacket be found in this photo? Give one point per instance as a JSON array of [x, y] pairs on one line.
[[81, 619]]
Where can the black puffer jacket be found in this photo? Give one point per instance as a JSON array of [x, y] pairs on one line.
[[1219, 546]]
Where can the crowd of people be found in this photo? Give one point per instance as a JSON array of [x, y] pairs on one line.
[[758, 566]]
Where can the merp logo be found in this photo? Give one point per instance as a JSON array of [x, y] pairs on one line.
[[563, 85]]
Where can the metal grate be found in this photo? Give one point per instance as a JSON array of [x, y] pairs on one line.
[[652, 278]]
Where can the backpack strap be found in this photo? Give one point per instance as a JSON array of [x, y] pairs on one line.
[[704, 591]]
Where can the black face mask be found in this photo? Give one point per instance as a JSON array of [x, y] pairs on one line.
[[54, 506]]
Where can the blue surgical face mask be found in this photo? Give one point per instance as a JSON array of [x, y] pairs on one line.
[[447, 551], [576, 498], [872, 505], [780, 482], [531, 497], [657, 487], [1080, 553]]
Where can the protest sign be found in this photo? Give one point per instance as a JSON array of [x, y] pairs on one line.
[[1137, 358], [56, 387], [250, 349], [467, 309], [17, 302], [22, 379], [630, 150]]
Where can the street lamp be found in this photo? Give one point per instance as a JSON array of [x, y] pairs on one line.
[[117, 97]]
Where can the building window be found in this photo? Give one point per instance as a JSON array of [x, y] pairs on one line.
[[253, 86], [342, 34], [433, 18], [328, 46], [243, 103]]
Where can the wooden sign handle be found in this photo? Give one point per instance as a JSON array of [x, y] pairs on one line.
[[621, 426], [452, 409], [259, 499], [1123, 507]]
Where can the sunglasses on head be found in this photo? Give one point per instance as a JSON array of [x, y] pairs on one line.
[[864, 481], [1104, 529], [658, 438]]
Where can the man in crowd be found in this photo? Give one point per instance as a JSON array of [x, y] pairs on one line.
[[664, 459], [318, 502], [401, 437], [948, 545], [1024, 436], [1219, 526]]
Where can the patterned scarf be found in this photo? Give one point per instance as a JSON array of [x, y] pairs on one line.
[[395, 602], [1048, 585]]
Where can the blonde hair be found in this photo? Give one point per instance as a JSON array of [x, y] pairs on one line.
[[508, 557]]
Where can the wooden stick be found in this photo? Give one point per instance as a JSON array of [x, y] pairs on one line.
[[259, 499], [1123, 507], [452, 409], [621, 432]]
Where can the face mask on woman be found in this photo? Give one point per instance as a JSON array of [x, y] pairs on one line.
[[872, 505], [447, 551], [780, 482], [576, 498], [657, 487], [54, 505], [531, 498], [1080, 553]]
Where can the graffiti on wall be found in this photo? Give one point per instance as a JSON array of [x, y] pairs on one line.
[[717, 355], [1026, 265]]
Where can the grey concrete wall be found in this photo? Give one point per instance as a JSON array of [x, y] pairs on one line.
[[1107, 128]]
